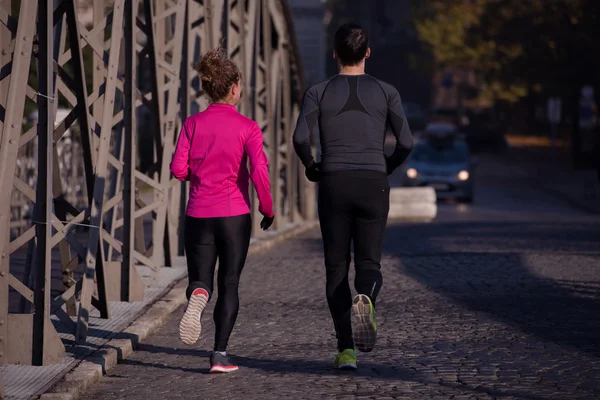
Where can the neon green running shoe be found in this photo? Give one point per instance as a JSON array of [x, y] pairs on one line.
[[345, 359], [365, 327]]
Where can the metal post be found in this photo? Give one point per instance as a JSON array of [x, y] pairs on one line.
[[129, 154], [57, 186], [184, 98], [249, 45], [269, 130], [5, 58], [236, 51], [178, 194], [156, 111], [44, 198], [159, 237], [98, 78], [80, 89], [94, 200], [115, 190], [177, 25], [9, 147], [96, 210], [167, 70], [258, 82], [277, 164], [290, 156], [216, 9]]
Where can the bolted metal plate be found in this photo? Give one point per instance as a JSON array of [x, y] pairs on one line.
[[19, 351], [113, 280]]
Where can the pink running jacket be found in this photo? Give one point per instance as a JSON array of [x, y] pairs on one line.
[[212, 151]]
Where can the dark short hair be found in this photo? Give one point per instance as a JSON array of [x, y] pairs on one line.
[[351, 44]]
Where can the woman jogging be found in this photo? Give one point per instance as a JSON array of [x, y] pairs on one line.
[[212, 152]]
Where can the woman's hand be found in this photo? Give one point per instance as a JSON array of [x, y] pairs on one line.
[[267, 222]]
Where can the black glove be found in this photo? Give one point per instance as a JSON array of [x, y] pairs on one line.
[[266, 222], [313, 173]]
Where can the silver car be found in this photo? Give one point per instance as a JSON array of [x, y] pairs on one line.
[[443, 163]]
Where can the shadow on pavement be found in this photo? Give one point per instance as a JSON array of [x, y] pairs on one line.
[[270, 365], [149, 348], [379, 371], [486, 237], [486, 267]]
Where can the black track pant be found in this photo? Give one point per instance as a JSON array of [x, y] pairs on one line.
[[353, 206], [226, 239]]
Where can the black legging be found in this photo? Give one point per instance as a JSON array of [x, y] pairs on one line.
[[353, 207], [227, 239]]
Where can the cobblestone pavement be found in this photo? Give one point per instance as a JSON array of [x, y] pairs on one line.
[[484, 303]]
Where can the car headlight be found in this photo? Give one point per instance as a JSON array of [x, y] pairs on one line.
[[412, 173], [463, 175]]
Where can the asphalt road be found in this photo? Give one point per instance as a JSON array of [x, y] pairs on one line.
[[499, 299]]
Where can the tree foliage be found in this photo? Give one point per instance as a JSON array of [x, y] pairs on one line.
[[516, 46]]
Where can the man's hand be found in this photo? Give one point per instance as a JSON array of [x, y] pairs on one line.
[[313, 173], [266, 223], [388, 167]]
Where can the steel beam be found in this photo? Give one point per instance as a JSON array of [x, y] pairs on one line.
[[267, 80], [184, 99], [60, 164], [216, 9], [200, 40], [80, 88], [9, 147], [167, 55], [53, 165], [288, 145], [99, 71], [235, 33], [100, 176], [129, 153], [175, 47], [44, 198], [275, 122], [5, 59]]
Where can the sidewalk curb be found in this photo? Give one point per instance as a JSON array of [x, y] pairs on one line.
[[92, 368]]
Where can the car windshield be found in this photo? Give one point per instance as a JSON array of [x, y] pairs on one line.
[[456, 153]]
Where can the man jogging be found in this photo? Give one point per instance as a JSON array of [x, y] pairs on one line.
[[353, 111]]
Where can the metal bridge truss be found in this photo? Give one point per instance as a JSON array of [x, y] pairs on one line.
[[73, 197]]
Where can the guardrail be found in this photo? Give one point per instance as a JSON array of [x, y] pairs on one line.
[[95, 212]]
